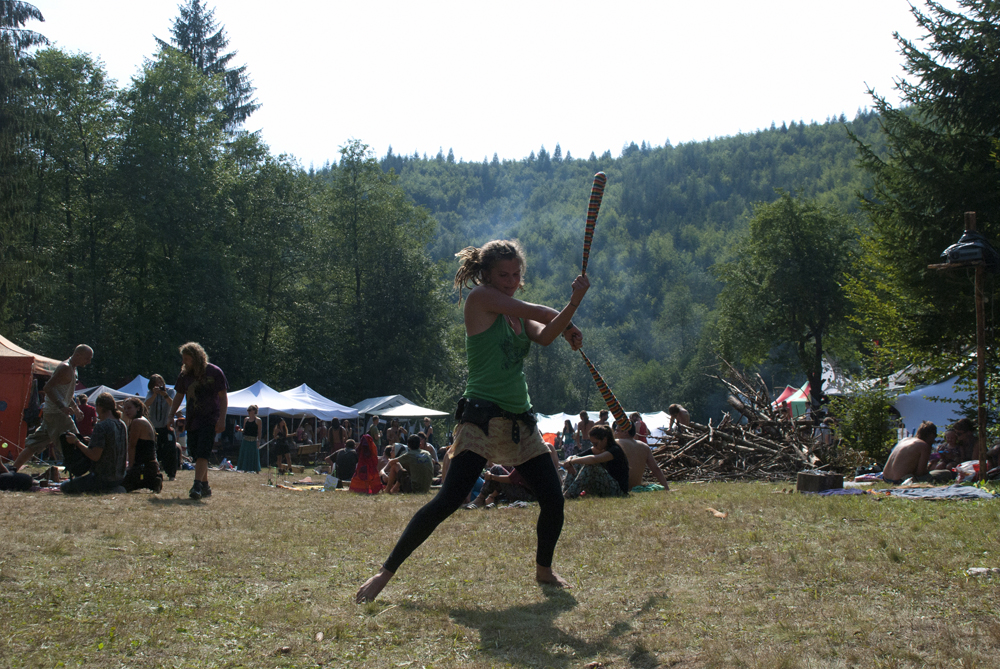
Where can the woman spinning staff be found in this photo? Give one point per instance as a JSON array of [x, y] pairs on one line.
[[495, 418]]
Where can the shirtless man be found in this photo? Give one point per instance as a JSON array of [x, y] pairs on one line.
[[603, 418], [909, 457], [678, 416], [640, 458], [59, 408], [337, 435], [583, 431]]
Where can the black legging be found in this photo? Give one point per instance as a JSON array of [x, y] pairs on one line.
[[539, 473]]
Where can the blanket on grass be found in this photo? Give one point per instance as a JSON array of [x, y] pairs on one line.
[[946, 492]]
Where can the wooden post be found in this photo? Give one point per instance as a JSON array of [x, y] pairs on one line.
[[970, 224]]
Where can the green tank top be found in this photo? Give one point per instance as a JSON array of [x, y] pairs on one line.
[[496, 366]]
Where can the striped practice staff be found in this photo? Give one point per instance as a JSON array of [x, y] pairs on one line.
[[621, 420], [596, 193]]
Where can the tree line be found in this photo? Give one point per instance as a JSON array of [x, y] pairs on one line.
[[139, 217]]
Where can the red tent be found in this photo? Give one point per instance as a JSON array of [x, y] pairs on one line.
[[17, 369]]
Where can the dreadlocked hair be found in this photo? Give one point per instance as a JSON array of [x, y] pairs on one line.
[[475, 264], [107, 402]]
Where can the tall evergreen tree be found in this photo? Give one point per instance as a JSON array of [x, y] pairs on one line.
[[196, 33], [18, 121], [938, 165]]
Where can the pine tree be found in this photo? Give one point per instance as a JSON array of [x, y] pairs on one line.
[[17, 122], [196, 33], [938, 164]]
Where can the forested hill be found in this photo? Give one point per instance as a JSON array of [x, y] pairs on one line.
[[669, 213]]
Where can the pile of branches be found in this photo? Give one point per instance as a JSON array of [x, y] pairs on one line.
[[753, 441]]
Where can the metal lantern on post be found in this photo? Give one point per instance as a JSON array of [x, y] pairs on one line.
[[972, 250]]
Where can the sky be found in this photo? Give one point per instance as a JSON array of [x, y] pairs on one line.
[[508, 78]]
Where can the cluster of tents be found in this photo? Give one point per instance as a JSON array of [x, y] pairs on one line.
[[552, 424], [298, 402], [20, 370]]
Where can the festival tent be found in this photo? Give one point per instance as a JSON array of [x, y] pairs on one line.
[[268, 400], [94, 391], [918, 406], [656, 422], [410, 410], [17, 369], [326, 409], [554, 423], [798, 398], [138, 386], [376, 405]]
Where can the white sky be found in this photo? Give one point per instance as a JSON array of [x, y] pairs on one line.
[[510, 77]]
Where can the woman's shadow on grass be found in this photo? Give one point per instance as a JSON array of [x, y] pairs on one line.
[[527, 634]]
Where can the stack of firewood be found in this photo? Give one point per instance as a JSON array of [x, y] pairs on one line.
[[753, 441]]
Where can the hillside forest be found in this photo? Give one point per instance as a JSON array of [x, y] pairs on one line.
[[136, 216]]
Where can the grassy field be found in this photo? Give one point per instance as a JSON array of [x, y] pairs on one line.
[[264, 577]]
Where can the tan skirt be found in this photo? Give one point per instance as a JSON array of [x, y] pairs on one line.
[[498, 447]]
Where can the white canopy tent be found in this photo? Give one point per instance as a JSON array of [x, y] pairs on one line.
[[377, 405], [657, 422], [554, 422], [302, 401], [917, 406], [326, 409], [138, 386], [268, 400], [92, 393], [410, 410]]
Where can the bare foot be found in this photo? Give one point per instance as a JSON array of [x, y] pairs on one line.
[[546, 576], [369, 591]]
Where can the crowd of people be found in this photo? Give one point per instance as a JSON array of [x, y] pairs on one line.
[[922, 459], [124, 446]]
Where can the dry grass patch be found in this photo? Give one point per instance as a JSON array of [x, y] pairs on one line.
[[261, 577]]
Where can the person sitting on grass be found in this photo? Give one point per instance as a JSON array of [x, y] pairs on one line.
[[602, 470], [501, 483], [410, 472], [428, 448], [107, 451], [909, 457], [966, 441], [640, 458], [143, 469], [344, 462], [366, 479]]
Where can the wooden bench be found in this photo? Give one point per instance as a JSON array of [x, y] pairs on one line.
[[307, 450]]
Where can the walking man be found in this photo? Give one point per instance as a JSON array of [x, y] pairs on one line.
[[59, 408], [205, 386]]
